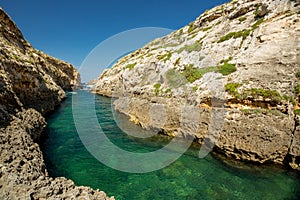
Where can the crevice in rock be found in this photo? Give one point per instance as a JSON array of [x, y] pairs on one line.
[[289, 158]]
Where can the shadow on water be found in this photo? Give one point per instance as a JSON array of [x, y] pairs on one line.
[[187, 178]]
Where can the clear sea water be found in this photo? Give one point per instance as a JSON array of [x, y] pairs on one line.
[[188, 178]]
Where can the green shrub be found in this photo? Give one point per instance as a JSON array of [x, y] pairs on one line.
[[192, 27], [208, 69], [243, 33], [165, 57], [226, 60], [16, 57], [168, 90], [189, 48], [130, 66], [297, 112], [219, 22], [241, 19], [191, 74], [207, 28], [298, 74], [290, 99], [195, 88], [256, 92], [156, 88], [201, 58], [256, 10], [257, 23], [227, 69], [262, 111], [297, 89], [232, 89], [175, 79]]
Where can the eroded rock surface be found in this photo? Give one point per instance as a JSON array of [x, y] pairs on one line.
[[241, 58], [31, 84]]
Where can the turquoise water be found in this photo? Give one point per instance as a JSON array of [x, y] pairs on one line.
[[188, 178]]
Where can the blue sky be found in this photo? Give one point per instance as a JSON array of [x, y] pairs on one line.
[[69, 30]]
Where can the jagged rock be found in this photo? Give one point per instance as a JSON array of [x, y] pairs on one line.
[[259, 40], [31, 84]]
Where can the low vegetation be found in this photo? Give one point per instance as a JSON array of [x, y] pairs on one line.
[[191, 74], [207, 28], [130, 66], [297, 74], [227, 69], [241, 19], [243, 33], [257, 23], [297, 111], [195, 88], [165, 57], [189, 48], [256, 10], [262, 111], [297, 89], [192, 27], [175, 79], [231, 88], [156, 88], [255, 93]]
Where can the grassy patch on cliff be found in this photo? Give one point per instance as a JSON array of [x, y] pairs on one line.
[[192, 27], [130, 66], [257, 23], [231, 88], [256, 92], [241, 19], [156, 88], [175, 79], [262, 111], [207, 28], [189, 48], [297, 112], [191, 74], [243, 33], [165, 57], [297, 74], [227, 69], [297, 89]]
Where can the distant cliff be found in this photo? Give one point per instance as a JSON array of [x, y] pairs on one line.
[[244, 53], [31, 84]]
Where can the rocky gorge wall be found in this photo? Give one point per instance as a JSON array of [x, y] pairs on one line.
[[240, 60], [31, 84]]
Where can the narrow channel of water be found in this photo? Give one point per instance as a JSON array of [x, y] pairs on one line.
[[187, 178]]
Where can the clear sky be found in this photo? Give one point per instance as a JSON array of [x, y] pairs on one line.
[[70, 29]]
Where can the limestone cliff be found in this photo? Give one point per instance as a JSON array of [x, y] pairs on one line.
[[241, 58], [31, 84]]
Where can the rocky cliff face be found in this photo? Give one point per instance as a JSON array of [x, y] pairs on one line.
[[239, 60], [31, 84]]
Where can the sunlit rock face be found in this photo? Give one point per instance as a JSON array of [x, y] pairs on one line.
[[32, 83], [244, 53]]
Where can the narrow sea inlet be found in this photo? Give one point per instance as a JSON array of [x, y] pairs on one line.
[[188, 178]]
